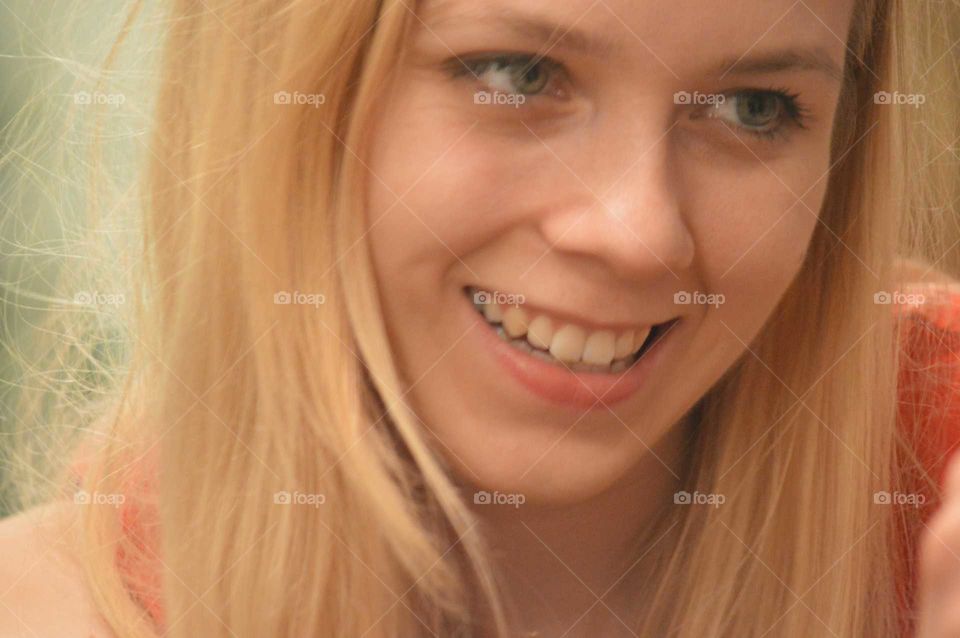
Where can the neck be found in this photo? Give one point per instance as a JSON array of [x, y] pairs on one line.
[[565, 570]]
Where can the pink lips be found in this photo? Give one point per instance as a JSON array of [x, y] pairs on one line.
[[559, 385]]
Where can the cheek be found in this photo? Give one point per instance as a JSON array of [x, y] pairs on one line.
[[753, 229], [436, 190], [752, 236], [752, 239], [456, 178]]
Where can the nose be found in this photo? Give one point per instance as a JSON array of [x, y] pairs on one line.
[[623, 207]]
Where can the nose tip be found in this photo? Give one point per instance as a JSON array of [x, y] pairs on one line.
[[635, 240]]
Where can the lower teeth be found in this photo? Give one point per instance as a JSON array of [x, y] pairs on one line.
[[524, 345]]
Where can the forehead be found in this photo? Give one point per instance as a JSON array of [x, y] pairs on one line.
[[678, 37]]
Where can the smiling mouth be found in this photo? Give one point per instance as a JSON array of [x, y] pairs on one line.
[[563, 343]]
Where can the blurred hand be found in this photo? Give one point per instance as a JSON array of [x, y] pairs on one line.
[[939, 594]]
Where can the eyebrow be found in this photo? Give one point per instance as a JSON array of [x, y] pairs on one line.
[[800, 59], [552, 35]]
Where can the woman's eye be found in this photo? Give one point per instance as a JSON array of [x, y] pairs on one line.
[[760, 112], [515, 74]]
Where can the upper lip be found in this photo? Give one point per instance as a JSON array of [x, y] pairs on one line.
[[574, 317]]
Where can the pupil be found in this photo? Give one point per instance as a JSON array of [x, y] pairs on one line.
[[530, 78], [758, 106]]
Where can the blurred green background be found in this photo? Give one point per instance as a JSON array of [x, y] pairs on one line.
[[51, 52]]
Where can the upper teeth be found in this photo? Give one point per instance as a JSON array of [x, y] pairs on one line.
[[565, 341]]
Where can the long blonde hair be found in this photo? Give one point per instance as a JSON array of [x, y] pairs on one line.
[[235, 399]]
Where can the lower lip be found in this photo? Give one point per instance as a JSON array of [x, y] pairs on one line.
[[561, 386]]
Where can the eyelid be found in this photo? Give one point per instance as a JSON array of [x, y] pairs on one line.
[[462, 63]]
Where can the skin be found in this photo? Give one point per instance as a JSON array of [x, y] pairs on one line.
[[939, 562], [600, 198]]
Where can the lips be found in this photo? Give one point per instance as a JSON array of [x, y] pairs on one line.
[[565, 362], [559, 341]]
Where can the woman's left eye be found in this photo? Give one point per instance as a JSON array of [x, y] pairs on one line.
[[764, 113], [513, 74]]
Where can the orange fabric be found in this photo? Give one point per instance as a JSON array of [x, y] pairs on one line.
[[929, 413], [930, 378], [137, 554], [140, 524]]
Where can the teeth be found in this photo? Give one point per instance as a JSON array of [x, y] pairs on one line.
[[640, 337], [492, 312], [567, 344], [624, 345], [540, 333], [592, 350], [600, 348], [515, 322]]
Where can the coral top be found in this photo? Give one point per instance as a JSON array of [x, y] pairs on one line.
[[929, 413]]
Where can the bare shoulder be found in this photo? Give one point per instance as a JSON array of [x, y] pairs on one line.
[[42, 590]]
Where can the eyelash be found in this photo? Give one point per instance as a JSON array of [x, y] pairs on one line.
[[796, 113]]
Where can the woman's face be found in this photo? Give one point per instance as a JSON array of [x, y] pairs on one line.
[[572, 249]]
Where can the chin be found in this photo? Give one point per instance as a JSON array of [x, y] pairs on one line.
[[567, 473]]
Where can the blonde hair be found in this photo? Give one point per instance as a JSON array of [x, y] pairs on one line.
[[234, 398]]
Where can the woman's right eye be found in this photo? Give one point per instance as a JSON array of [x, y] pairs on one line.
[[512, 74]]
